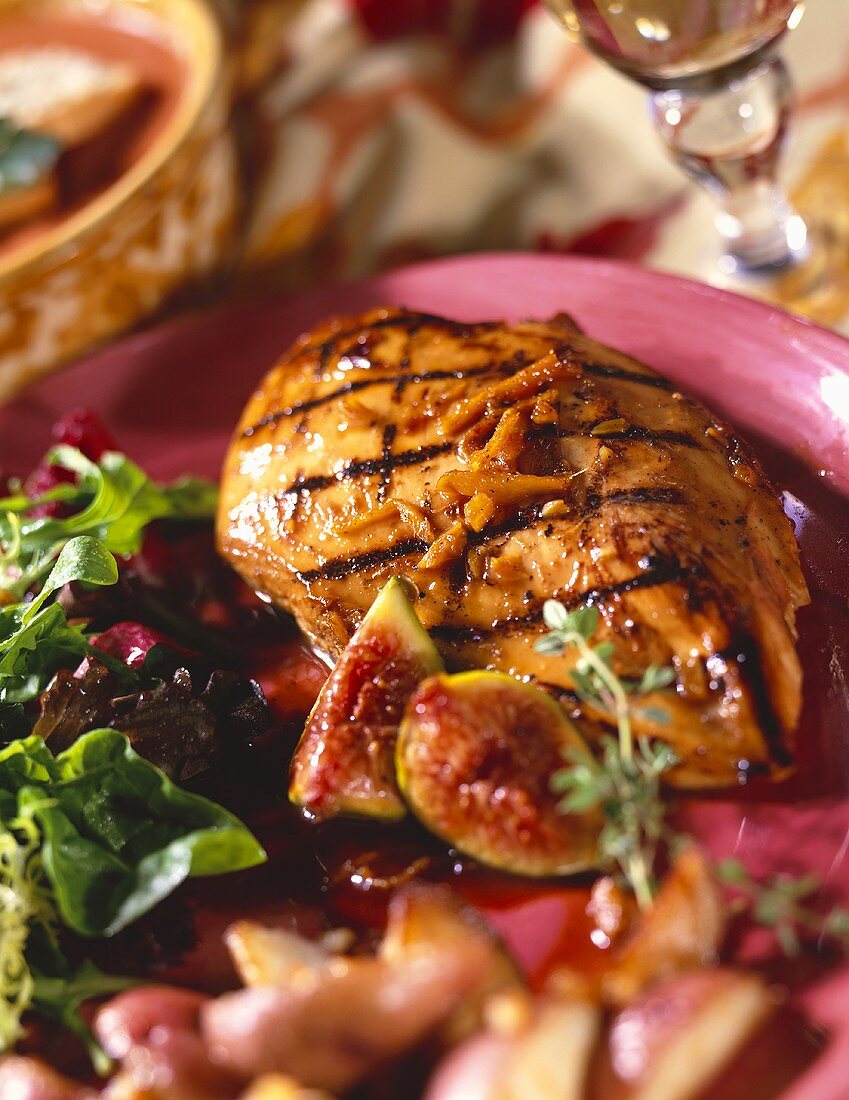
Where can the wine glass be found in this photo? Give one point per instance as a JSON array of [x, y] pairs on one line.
[[721, 101]]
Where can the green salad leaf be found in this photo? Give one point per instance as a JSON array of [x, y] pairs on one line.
[[96, 836], [112, 500], [34, 973], [36, 638], [119, 836], [91, 839], [61, 998]]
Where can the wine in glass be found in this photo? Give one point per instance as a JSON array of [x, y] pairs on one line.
[[720, 99]]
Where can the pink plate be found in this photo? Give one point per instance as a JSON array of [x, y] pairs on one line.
[[171, 397]]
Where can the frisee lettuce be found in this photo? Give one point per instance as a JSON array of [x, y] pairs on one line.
[[24, 900], [34, 974]]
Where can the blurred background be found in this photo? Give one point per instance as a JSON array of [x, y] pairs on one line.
[[383, 131], [336, 138]]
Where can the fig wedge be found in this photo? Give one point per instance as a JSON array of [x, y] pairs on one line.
[[475, 756], [344, 763]]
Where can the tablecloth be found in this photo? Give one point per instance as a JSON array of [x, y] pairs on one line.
[[375, 132]]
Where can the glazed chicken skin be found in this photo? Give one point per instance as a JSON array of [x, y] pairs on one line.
[[497, 466]]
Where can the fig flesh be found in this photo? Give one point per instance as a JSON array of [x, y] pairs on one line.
[[475, 757], [344, 763]]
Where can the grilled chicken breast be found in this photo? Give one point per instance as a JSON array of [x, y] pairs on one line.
[[499, 465]]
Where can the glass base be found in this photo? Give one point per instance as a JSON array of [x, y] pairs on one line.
[[787, 249], [815, 284]]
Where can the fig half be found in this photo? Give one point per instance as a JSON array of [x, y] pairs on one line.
[[344, 763], [475, 756]]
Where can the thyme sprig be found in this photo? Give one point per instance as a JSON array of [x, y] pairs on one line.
[[783, 904], [624, 783]]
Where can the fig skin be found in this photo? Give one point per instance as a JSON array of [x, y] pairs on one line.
[[344, 762], [475, 756]]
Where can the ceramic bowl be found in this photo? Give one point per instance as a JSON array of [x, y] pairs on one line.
[[166, 221]]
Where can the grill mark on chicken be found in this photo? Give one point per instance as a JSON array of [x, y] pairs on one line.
[[661, 572], [603, 370], [403, 379], [346, 567], [639, 434], [367, 467], [337, 568], [356, 384], [642, 495], [384, 464], [389, 433], [411, 322], [526, 519]]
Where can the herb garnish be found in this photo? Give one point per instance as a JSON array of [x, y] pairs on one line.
[[625, 783], [782, 904]]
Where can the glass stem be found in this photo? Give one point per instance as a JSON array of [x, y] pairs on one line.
[[729, 137]]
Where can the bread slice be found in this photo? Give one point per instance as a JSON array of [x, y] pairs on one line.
[[69, 94]]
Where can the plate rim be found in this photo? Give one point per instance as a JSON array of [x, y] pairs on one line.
[[175, 327]]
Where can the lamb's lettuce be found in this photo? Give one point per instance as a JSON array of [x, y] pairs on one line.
[[118, 835], [94, 837]]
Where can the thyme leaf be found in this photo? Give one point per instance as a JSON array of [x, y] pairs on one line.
[[624, 783]]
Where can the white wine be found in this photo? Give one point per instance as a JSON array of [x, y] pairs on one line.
[[672, 42]]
